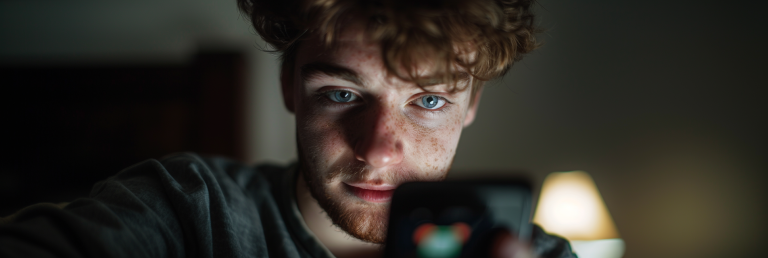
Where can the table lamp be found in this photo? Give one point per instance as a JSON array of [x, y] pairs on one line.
[[571, 206]]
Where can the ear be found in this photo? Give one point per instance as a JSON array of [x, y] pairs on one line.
[[286, 84], [472, 111]]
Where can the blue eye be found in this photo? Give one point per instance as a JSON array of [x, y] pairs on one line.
[[341, 96], [430, 102]]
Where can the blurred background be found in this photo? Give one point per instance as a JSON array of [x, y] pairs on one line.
[[663, 102]]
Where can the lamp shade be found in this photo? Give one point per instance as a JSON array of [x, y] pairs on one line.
[[571, 206]]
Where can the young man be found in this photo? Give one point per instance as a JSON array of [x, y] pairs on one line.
[[381, 91]]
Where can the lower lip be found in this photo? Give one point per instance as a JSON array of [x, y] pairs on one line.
[[372, 195]]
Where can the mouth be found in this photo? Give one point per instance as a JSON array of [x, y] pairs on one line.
[[372, 193]]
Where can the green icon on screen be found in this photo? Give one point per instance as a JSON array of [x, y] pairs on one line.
[[434, 241]]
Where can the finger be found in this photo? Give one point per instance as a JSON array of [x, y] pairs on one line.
[[508, 246]]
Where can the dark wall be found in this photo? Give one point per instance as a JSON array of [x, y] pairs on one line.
[[66, 127], [665, 103]]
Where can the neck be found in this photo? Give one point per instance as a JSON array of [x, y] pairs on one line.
[[341, 244]]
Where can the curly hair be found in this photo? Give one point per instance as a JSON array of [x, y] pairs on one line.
[[483, 37]]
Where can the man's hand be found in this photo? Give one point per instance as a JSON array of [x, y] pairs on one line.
[[507, 245]]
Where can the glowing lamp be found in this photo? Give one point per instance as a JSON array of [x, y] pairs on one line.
[[571, 206]]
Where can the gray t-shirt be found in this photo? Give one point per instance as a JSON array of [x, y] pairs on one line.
[[183, 206]]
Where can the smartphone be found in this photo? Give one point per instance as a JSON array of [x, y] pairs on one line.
[[456, 218]]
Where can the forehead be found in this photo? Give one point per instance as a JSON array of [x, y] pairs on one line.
[[363, 58], [351, 50]]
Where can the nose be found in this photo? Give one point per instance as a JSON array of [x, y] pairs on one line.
[[379, 144]]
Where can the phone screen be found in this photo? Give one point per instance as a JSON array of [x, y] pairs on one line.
[[455, 219]]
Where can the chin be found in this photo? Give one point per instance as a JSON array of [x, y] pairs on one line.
[[345, 193], [363, 220]]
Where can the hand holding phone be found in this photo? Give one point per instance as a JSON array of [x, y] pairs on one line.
[[457, 219]]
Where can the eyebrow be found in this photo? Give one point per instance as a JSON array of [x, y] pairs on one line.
[[311, 70]]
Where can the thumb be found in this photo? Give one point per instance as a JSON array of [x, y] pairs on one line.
[[506, 245]]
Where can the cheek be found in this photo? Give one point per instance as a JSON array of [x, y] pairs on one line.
[[322, 140], [435, 147]]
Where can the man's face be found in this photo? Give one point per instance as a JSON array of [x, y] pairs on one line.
[[361, 131]]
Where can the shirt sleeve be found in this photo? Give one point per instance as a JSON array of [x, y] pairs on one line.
[[174, 207], [550, 246]]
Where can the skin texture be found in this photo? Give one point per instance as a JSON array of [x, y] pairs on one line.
[[383, 138]]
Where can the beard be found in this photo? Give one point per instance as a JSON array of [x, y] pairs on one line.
[[363, 220]]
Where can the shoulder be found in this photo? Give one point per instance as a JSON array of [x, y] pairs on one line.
[[182, 179], [218, 202], [190, 170], [550, 246], [218, 167], [186, 172], [233, 179], [226, 170], [169, 207]]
